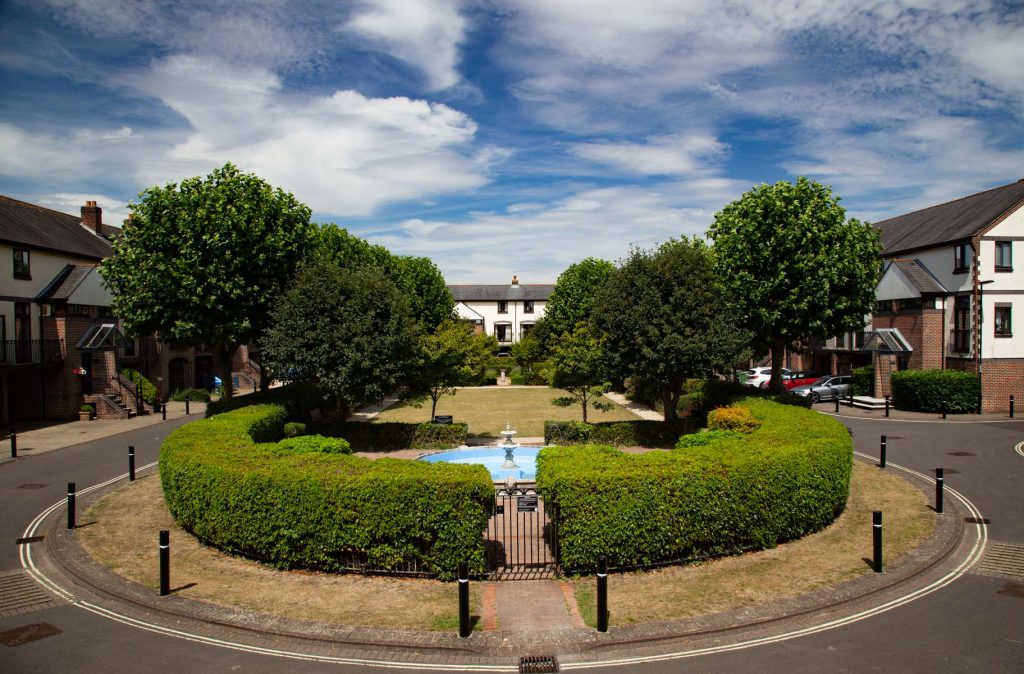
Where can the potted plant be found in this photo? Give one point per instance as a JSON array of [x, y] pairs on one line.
[[86, 412]]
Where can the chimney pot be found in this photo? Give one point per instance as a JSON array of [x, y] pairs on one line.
[[515, 281], [92, 217]]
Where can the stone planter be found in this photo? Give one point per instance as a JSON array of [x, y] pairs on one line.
[[85, 416]]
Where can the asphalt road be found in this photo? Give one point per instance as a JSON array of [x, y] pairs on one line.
[[971, 625]]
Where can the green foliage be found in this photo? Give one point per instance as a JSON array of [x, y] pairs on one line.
[[527, 351], [294, 429], [863, 380], [146, 387], [736, 418], [450, 357], [705, 438], [934, 390], [662, 323], [347, 331], [793, 267], [297, 400], [313, 444], [87, 408], [316, 510], [196, 395], [640, 433], [381, 437], [787, 479], [572, 299], [200, 262], [578, 367]]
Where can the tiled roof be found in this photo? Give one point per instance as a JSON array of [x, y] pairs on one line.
[[919, 276], [950, 222], [37, 227], [481, 293], [66, 282]]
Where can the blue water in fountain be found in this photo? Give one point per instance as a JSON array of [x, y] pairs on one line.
[[492, 458]]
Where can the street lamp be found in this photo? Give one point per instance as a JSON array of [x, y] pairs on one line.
[[981, 333]]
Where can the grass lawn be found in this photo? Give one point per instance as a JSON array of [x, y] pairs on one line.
[[487, 408]]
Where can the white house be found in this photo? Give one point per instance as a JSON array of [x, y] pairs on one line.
[[506, 311]]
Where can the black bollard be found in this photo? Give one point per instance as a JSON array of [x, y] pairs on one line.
[[876, 526], [881, 463], [165, 562], [886, 406], [939, 489], [71, 505], [944, 406], [837, 404], [464, 627], [131, 463], [186, 407], [602, 594], [14, 437], [979, 402], [1011, 410], [163, 411]]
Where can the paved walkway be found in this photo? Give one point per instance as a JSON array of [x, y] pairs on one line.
[[639, 409]]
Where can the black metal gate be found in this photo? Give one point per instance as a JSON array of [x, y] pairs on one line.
[[522, 541]]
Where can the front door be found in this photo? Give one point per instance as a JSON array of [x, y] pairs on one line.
[[87, 377]]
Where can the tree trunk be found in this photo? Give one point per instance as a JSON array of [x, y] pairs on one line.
[[433, 408], [669, 405], [775, 384], [223, 356], [583, 398]]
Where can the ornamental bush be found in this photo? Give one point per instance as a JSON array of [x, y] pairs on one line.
[[736, 418], [863, 380], [227, 480], [312, 444], [384, 437], [146, 387], [788, 478], [640, 433], [932, 390], [196, 395]]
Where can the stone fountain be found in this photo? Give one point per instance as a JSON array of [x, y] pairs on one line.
[[509, 445]]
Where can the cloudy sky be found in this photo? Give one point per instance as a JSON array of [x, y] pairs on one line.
[[504, 138]]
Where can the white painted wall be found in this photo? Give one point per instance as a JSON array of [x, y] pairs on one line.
[[516, 315]]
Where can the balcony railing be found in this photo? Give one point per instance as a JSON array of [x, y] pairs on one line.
[[31, 351]]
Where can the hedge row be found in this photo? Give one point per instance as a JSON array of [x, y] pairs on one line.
[[296, 399], [226, 480], [639, 433], [383, 437], [788, 478], [863, 380], [935, 390]]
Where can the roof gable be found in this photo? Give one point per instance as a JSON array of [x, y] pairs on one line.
[[24, 224], [954, 221]]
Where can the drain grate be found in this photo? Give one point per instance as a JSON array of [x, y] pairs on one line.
[[21, 594], [1003, 559], [537, 664], [23, 635], [32, 485]]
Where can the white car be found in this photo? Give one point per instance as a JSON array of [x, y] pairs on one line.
[[758, 375]]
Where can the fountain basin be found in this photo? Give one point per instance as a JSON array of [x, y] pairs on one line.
[[492, 459]]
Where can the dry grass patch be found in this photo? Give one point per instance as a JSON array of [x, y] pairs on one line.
[[487, 408], [832, 556], [124, 538]]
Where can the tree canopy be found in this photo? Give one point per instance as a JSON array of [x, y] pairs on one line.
[[447, 358], [201, 262], [578, 367], [348, 330], [572, 298], [661, 320], [794, 268]]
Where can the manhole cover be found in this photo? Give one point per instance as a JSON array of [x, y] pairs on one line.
[[19, 593], [961, 454], [1012, 591], [537, 664], [1003, 559], [22, 635], [32, 485]]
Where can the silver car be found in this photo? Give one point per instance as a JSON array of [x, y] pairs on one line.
[[826, 388]]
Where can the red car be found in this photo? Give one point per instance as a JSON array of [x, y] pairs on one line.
[[796, 378]]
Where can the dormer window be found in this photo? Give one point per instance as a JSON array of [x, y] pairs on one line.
[[961, 258]]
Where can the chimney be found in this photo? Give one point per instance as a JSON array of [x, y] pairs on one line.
[[92, 217], [515, 281]]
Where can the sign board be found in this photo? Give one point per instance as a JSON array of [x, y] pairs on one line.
[[446, 419]]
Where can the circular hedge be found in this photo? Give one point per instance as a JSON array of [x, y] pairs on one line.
[[735, 492], [306, 505]]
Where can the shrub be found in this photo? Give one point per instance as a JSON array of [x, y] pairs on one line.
[[296, 399], [793, 399], [931, 390], [196, 395], [318, 510], [863, 380], [735, 418], [788, 478], [87, 408], [294, 429], [640, 433], [705, 438], [146, 387], [379, 437], [313, 444], [518, 379]]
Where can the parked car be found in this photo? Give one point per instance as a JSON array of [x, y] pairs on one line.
[[826, 388], [798, 378], [757, 375]]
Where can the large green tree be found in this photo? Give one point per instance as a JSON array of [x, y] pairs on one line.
[[450, 357], [572, 298], [348, 330], [793, 266], [200, 262], [661, 320], [578, 367]]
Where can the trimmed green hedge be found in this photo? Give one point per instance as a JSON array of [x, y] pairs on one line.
[[198, 395], [719, 495], [384, 437], [931, 390], [146, 387], [227, 481], [863, 380], [640, 433], [296, 399]]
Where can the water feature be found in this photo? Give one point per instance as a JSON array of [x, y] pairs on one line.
[[506, 460]]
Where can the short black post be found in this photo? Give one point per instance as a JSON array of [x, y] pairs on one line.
[[464, 627], [881, 462], [14, 436], [71, 505], [131, 463], [1011, 414], [163, 411], [944, 406], [186, 407], [850, 399], [979, 402], [876, 525], [939, 489], [602, 594], [837, 404], [165, 562], [886, 406]]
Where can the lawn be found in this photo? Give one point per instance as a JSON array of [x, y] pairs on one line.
[[487, 408]]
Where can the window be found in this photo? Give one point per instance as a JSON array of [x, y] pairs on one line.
[[503, 332], [1004, 320], [502, 307], [524, 328], [527, 306], [911, 304], [961, 258], [1004, 256], [882, 306], [78, 310], [21, 264], [962, 325]]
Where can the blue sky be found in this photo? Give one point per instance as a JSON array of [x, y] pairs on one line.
[[503, 138]]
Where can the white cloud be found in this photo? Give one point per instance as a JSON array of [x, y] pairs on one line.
[[425, 34], [666, 155], [114, 210]]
